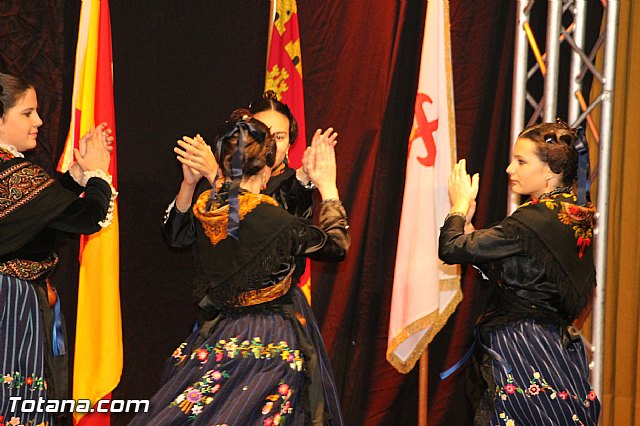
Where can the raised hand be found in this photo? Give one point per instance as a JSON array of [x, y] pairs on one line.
[[93, 151], [197, 156], [106, 137], [321, 166], [463, 189], [328, 136]]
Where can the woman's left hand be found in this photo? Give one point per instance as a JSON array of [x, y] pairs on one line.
[[329, 137], [197, 155], [463, 189], [320, 158], [97, 153]]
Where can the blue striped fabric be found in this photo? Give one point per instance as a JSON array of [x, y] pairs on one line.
[[548, 384], [21, 350]]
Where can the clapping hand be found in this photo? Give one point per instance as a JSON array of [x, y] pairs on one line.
[[75, 170], [463, 190], [320, 162], [197, 159], [328, 136], [94, 150]]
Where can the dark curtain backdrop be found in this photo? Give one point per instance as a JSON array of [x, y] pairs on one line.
[[181, 66]]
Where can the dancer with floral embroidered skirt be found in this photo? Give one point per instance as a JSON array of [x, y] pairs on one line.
[[292, 189], [251, 361], [33, 207], [530, 365]]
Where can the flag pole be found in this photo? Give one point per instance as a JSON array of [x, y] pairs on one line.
[[272, 16], [423, 395]]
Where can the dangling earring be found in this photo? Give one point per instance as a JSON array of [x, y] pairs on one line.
[[548, 179]]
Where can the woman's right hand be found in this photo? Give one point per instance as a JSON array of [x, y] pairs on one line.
[[94, 152], [320, 162], [190, 176], [463, 189]]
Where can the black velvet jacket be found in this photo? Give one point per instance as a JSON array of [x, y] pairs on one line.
[[33, 207], [540, 259], [290, 194], [269, 244]]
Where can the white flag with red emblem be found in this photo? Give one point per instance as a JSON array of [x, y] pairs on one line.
[[425, 291]]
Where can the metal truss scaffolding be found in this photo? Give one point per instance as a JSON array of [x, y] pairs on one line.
[[566, 25]]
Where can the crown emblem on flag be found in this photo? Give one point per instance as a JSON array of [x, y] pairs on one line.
[[293, 50], [277, 81], [284, 10]]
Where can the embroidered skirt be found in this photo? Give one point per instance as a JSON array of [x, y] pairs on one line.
[[21, 353], [540, 381], [249, 371]]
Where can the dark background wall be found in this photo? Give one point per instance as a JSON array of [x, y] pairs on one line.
[[181, 66]]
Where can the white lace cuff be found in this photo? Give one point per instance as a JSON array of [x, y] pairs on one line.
[[95, 173], [112, 202]]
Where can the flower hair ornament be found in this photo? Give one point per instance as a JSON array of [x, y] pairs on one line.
[[243, 128]]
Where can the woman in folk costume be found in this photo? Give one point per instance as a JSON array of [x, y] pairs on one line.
[[292, 189], [251, 361], [32, 208], [531, 365]]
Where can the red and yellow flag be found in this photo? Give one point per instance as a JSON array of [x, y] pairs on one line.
[[98, 347], [425, 291], [284, 77]]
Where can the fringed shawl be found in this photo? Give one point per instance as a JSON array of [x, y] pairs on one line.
[[559, 233], [261, 256]]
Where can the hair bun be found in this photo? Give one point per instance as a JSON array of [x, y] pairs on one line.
[[270, 95], [240, 114]]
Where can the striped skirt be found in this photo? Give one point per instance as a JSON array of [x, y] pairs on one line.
[[539, 381], [21, 353]]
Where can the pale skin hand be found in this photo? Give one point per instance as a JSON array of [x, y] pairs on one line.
[[320, 161], [330, 136], [463, 190], [197, 155], [96, 154], [75, 170]]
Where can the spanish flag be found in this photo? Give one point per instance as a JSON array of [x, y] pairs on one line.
[[98, 348], [284, 77]]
